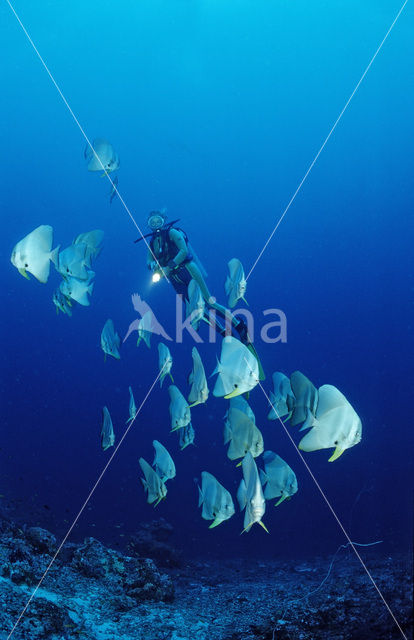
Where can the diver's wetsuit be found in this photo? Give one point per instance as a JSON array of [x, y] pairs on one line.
[[167, 251], [180, 279], [170, 247]]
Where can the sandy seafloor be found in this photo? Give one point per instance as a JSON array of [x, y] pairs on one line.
[[96, 593]]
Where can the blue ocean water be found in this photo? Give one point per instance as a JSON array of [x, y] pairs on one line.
[[216, 111]]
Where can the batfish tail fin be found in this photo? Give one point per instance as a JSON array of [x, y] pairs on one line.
[[263, 477], [54, 255]]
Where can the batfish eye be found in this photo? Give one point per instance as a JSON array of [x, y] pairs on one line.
[[336, 442]]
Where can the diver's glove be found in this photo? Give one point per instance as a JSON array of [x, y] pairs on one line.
[[172, 265]]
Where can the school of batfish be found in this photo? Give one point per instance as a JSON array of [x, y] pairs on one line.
[[324, 413]]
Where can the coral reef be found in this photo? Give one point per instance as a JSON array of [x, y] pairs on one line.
[[264, 600], [152, 541], [87, 590], [96, 593]]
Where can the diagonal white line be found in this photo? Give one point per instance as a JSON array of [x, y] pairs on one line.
[[312, 164], [92, 491], [341, 546], [81, 129], [332, 510]]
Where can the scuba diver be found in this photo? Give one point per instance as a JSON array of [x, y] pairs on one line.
[[171, 255]]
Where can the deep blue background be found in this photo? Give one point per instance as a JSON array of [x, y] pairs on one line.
[[216, 111]]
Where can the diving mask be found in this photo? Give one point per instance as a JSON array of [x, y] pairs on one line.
[[156, 220]]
